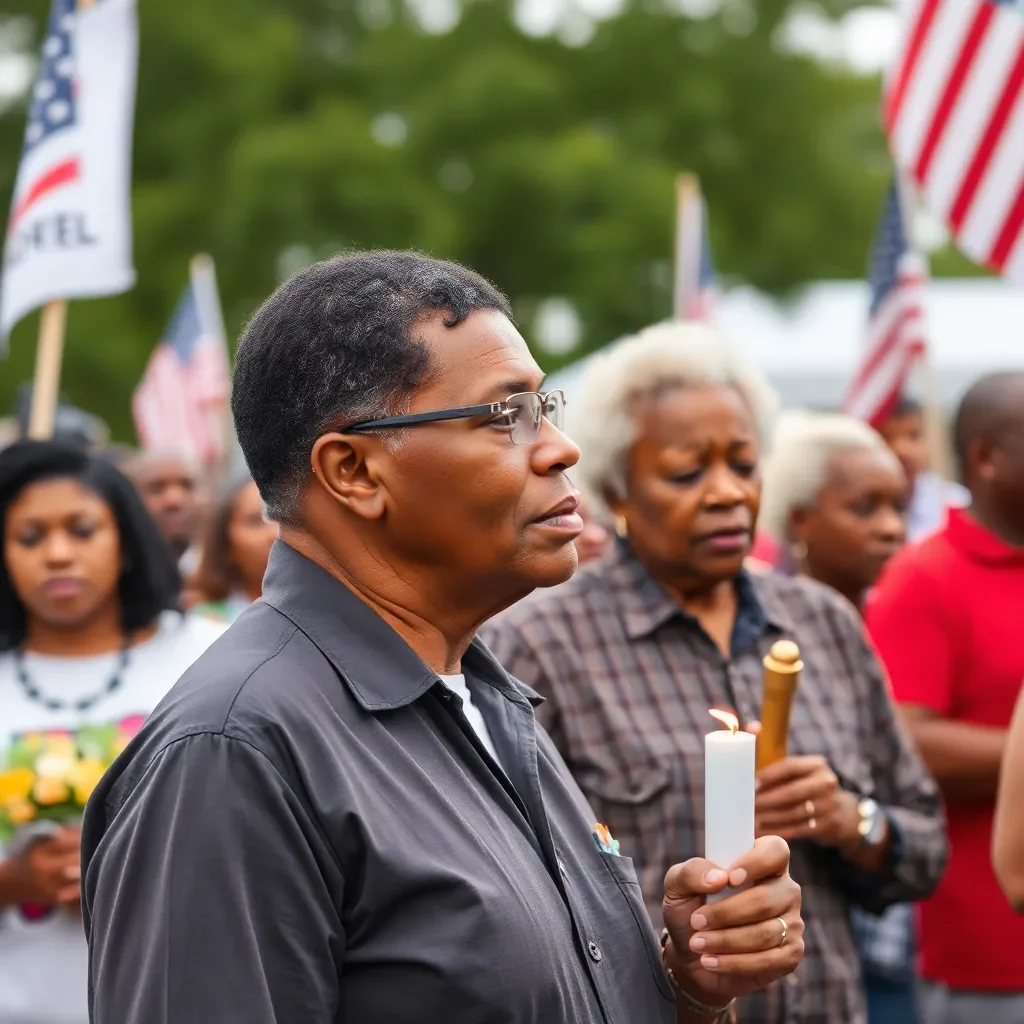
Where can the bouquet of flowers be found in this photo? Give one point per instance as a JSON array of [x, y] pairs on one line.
[[48, 777]]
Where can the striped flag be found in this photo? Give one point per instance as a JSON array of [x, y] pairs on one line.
[[180, 404], [69, 230], [895, 335], [695, 287], [954, 113]]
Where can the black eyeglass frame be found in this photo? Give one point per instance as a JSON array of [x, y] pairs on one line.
[[463, 412]]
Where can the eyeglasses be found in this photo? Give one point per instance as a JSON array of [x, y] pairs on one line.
[[523, 414]]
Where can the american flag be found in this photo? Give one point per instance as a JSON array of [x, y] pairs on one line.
[[53, 110], [696, 287], [954, 112], [180, 404], [895, 335]]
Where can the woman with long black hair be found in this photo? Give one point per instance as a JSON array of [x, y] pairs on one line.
[[90, 639]]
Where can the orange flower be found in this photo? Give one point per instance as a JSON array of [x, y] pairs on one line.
[[20, 812], [48, 791]]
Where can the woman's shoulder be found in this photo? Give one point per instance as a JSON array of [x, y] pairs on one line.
[[185, 636], [799, 599]]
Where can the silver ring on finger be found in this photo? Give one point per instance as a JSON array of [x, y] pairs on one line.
[[785, 931]]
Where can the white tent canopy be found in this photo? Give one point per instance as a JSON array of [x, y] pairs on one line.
[[809, 347]]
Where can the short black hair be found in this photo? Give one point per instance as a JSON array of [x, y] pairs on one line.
[[334, 346], [984, 410], [905, 406], [149, 582]]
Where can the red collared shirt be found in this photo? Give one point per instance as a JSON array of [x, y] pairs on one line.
[[946, 619]]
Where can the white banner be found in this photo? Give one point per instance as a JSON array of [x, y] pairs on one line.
[[69, 233]]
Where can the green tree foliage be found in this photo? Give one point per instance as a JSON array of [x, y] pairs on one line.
[[272, 132]]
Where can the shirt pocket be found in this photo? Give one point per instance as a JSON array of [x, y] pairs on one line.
[[622, 874], [634, 785]]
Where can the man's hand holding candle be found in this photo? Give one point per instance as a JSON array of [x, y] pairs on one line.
[[718, 951]]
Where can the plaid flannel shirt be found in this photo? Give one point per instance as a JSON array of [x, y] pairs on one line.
[[629, 678]]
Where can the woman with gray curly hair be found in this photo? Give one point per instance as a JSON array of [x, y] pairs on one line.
[[634, 650], [836, 497]]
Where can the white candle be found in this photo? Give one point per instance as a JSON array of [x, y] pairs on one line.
[[728, 794]]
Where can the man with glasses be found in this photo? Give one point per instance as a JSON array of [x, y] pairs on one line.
[[346, 811]]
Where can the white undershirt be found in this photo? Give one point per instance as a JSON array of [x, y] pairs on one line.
[[457, 684]]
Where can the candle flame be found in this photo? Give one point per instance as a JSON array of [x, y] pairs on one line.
[[731, 722]]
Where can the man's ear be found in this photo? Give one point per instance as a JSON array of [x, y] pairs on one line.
[[347, 468]]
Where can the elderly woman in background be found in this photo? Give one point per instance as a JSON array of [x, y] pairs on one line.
[[837, 497], [633, 651], [236, 547]]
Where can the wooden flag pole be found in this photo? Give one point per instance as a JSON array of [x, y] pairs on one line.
[[49, 357], [687, 189], [936, 435]]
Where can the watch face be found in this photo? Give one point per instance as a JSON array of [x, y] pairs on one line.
[[868, 811]]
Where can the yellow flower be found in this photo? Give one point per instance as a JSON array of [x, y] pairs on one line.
[[48, 791], [20, 812], [15, 785], [32, 740], [84, 778]]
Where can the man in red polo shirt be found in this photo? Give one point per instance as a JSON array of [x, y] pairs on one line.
[[947, 621]]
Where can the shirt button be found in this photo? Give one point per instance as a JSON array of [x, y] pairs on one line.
[[595, 952]]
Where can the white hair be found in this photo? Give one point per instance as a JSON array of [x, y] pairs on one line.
[[603, 418], [802, 447]]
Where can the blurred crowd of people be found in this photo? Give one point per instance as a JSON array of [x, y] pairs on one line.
[[714, 527], [119, 569]]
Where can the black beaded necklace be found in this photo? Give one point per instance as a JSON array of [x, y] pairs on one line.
[[83, 703]]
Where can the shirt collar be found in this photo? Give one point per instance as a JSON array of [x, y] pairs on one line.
[[644, 605], [978, 543], [378, 666]]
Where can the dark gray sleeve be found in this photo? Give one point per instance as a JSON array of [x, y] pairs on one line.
[[206, 899]]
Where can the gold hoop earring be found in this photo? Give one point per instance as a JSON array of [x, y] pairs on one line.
[[798, 549], [621, 526]]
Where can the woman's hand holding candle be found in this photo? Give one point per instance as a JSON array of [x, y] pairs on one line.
[[800, 797], [733, 947]]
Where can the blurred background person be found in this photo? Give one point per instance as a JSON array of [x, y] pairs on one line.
[[930, 495], [945, 617], [1008, 829], [595, 540], [837, 495], [633, 651], [235, 548], [170, 488], [89, 635]]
